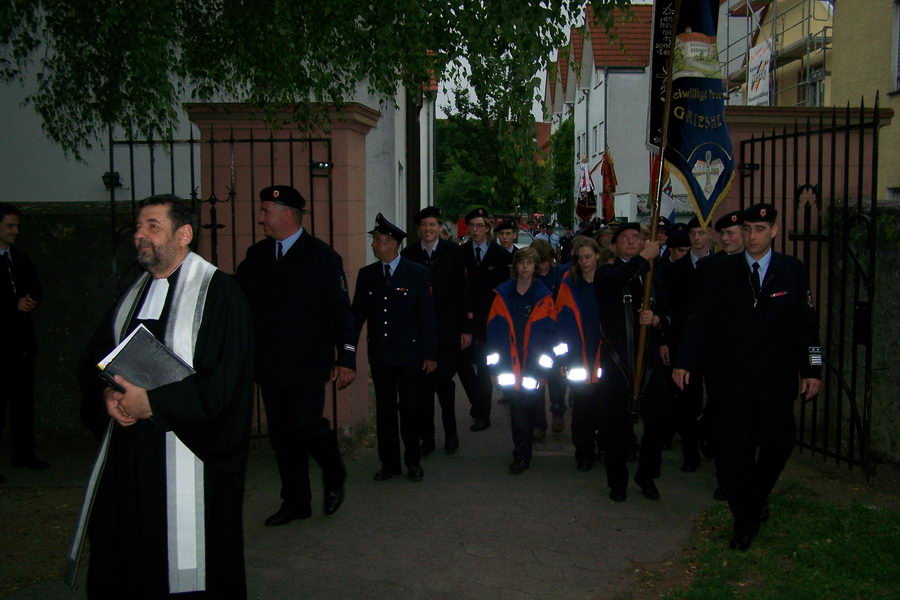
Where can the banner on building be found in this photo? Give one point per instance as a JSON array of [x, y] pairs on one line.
[[758, 86], [699, 150]]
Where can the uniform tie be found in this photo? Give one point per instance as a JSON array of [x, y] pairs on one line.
[[477, 255], [279, 251], [7, 262], [754, 279], [387, 272]]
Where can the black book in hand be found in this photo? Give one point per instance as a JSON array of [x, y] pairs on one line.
[[144, 361]]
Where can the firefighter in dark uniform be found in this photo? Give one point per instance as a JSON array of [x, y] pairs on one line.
[[620, 289], [487, 266], [453, 307], [762, 298], [304, 336], [505, 232], [393, 295]]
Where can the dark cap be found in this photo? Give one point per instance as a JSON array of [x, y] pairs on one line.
[[735, 217], [282, 194], [625, 227], [504, 225], [664, 223], [428, 211], [694, 222], [678, 239], [478, 212], [760, 213], [384, 226]]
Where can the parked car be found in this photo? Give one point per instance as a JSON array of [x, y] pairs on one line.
[[524, 239]]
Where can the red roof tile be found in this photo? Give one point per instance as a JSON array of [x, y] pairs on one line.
[[631, 47], [562, 66]]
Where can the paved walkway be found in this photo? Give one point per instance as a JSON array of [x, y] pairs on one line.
[[468, 530]]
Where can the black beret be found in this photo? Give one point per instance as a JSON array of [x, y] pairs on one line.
[[384, 226], [428, 211], [625, 227], [478, 212], [503, 225], [663, 222], [678, 239], [760, 213], [283, 194], [694, 222], [735, 217]]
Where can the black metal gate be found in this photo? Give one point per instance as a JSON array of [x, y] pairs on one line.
[[221, 174], [822, 177]]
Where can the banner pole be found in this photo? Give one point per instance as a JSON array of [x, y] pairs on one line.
[[634, 406]]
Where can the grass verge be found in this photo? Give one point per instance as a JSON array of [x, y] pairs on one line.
[[809, 549]]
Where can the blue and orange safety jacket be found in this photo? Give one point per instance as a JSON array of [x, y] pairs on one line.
[[539, 337], [584, 364]]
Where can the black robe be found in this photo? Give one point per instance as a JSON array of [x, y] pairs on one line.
[[210, 412]]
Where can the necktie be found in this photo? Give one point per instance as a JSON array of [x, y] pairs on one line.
[[279, 251], [7, 262], [477, 255], [387, 272], [754, 280]]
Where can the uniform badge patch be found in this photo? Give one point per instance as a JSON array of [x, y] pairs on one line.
[[276, 193], [809, 299], [343, 283], [815, 356], [349, 348], [778, 294]]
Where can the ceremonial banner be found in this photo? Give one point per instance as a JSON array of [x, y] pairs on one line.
[[587, 200], [699, 150], [660, 50]]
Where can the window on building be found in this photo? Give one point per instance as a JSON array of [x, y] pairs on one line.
[[595, 140]]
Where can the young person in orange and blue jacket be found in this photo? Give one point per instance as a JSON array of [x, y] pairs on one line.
[[578, 319], [521, 334]]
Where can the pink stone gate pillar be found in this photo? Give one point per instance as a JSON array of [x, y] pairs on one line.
[[240, 154]]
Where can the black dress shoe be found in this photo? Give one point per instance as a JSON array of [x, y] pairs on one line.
[[427, 448], [35, 464], [618, 494], [333, 500], [415, 473], [286, 514], [720, 495], [451, 444], [741, 541], [480, 424], [518, 466], [648, 488], [384, 475]]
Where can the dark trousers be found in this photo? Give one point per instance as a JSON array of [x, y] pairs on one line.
[[522, 409], [476, 379], [397, 394], [616, 429], [17, 374], [586, 422], [749, 472], [439, 383], [299, 431], [688, 406], [556, 390]]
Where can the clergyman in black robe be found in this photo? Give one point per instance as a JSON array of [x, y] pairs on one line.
[[188, 439]]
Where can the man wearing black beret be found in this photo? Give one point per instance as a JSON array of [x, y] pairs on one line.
[[762, 298], [304, 336], [506, 235], [453, 307], [393, 296], [730, 228]]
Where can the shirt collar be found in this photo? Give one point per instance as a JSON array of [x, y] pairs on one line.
[[433, 246], [763, 263], [483, 246], [393, 264], [287, 242], [695, 258]]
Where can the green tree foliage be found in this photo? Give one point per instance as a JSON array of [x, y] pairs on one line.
[[562, 178], [131, 63]]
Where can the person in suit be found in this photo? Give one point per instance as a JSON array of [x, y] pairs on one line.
[[619, 288], [453, 308], [505, 232], [762, 298], [680, 279], [21, 294], [487, 266], [305, 336], [393, 295]]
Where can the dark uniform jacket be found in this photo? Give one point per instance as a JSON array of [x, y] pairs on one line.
[[17, 326], [680, 280], [402, 328], [619, 326], [771, 341], [301, 311], [483, 278], [450, 288]]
